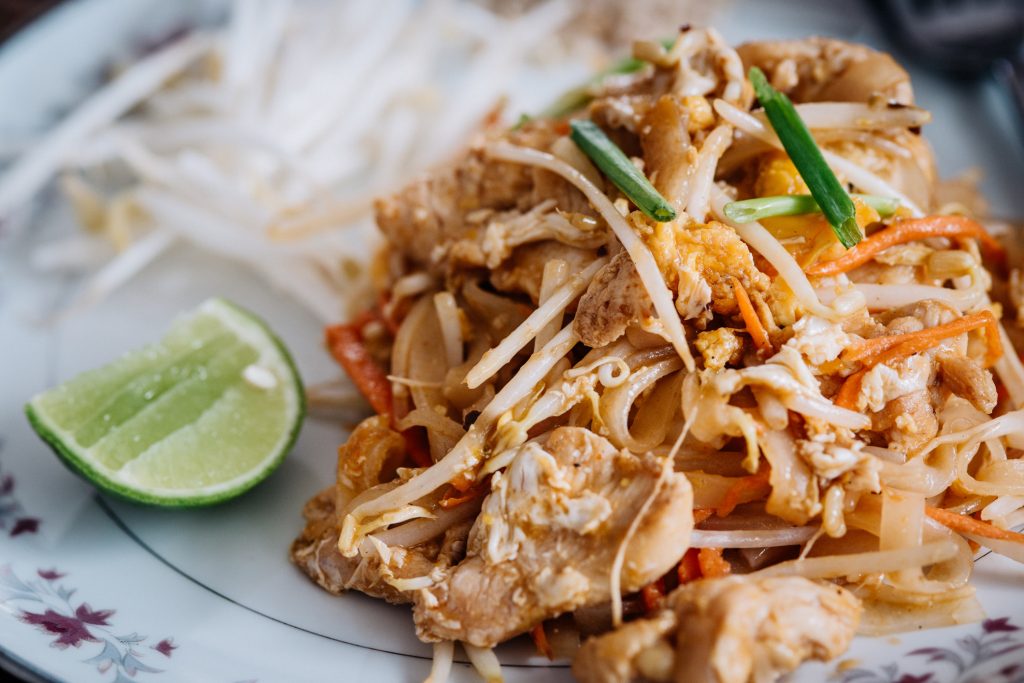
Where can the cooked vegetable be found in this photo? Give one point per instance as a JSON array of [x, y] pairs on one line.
[[754, 327], [835, 203], [620, 170], [748, 210], [908, 230]]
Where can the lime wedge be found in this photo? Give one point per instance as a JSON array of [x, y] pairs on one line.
[[197, 418]]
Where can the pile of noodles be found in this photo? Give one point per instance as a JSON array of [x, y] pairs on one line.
[[523, 372]]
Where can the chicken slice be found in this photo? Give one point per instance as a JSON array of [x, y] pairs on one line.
[[315, 552], [371, 455], [730, 630], [547, 536], [824, 69], [615, 299], [967, 379]]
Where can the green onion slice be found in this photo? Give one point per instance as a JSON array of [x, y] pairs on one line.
[[829, 194], [620, 170], [749, 210]]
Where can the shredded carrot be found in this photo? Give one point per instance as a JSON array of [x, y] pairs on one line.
[[701, 514], [745, 489], [652, 594], [758, 334], [881, 349], [463, 481], [689, 567], [908, 230], [969, 525], [872, 352], [540, 639], [345, 343], [847, 396], [712, 564], [455, 497]]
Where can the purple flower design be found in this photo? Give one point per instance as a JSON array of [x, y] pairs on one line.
[[998, 625], [165, 647], [50, 574], [70, 631], [971, 659], [25, 525], [47, 605]]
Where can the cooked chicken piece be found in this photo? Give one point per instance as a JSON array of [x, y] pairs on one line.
[[371, 455], [908, 421], [546, 537], [315, 552], [615, 299], [719, 347], [525, 269], [966, 378], [824, 69], [729, 630], [431, 214]]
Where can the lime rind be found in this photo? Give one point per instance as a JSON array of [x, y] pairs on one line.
[[126, 481]]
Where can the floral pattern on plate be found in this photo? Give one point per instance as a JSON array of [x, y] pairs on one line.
[[13, 519], [44, 603], [996, 655]]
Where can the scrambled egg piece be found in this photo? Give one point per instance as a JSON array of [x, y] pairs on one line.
[[713, 251]]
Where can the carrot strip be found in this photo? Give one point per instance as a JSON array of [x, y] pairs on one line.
[[652, 594], [345, 343], [712, 564], [701, 514], [882, 349], [540, 640], [689, 567], [754, 327], [969, 525], [847, 396], [908, 230], [745, 489], [454, 497]]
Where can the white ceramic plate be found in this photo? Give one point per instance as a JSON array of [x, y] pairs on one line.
[[94, 589]]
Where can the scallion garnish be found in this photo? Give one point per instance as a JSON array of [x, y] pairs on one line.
[[748, 210], [620, 170], [828, 193]]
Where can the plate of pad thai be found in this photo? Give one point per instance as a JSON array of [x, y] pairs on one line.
[[695, 372], [696, 368]]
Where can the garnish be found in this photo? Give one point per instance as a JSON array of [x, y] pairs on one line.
[[749, 210], [828, 193], [613, 162]]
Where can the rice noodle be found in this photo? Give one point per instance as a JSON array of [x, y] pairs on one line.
[[496, 358], [751, 538], [1011, 370], [835, 566], [451, 327], [555, 274], [642, 258], [886, 297], [857, 115]]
